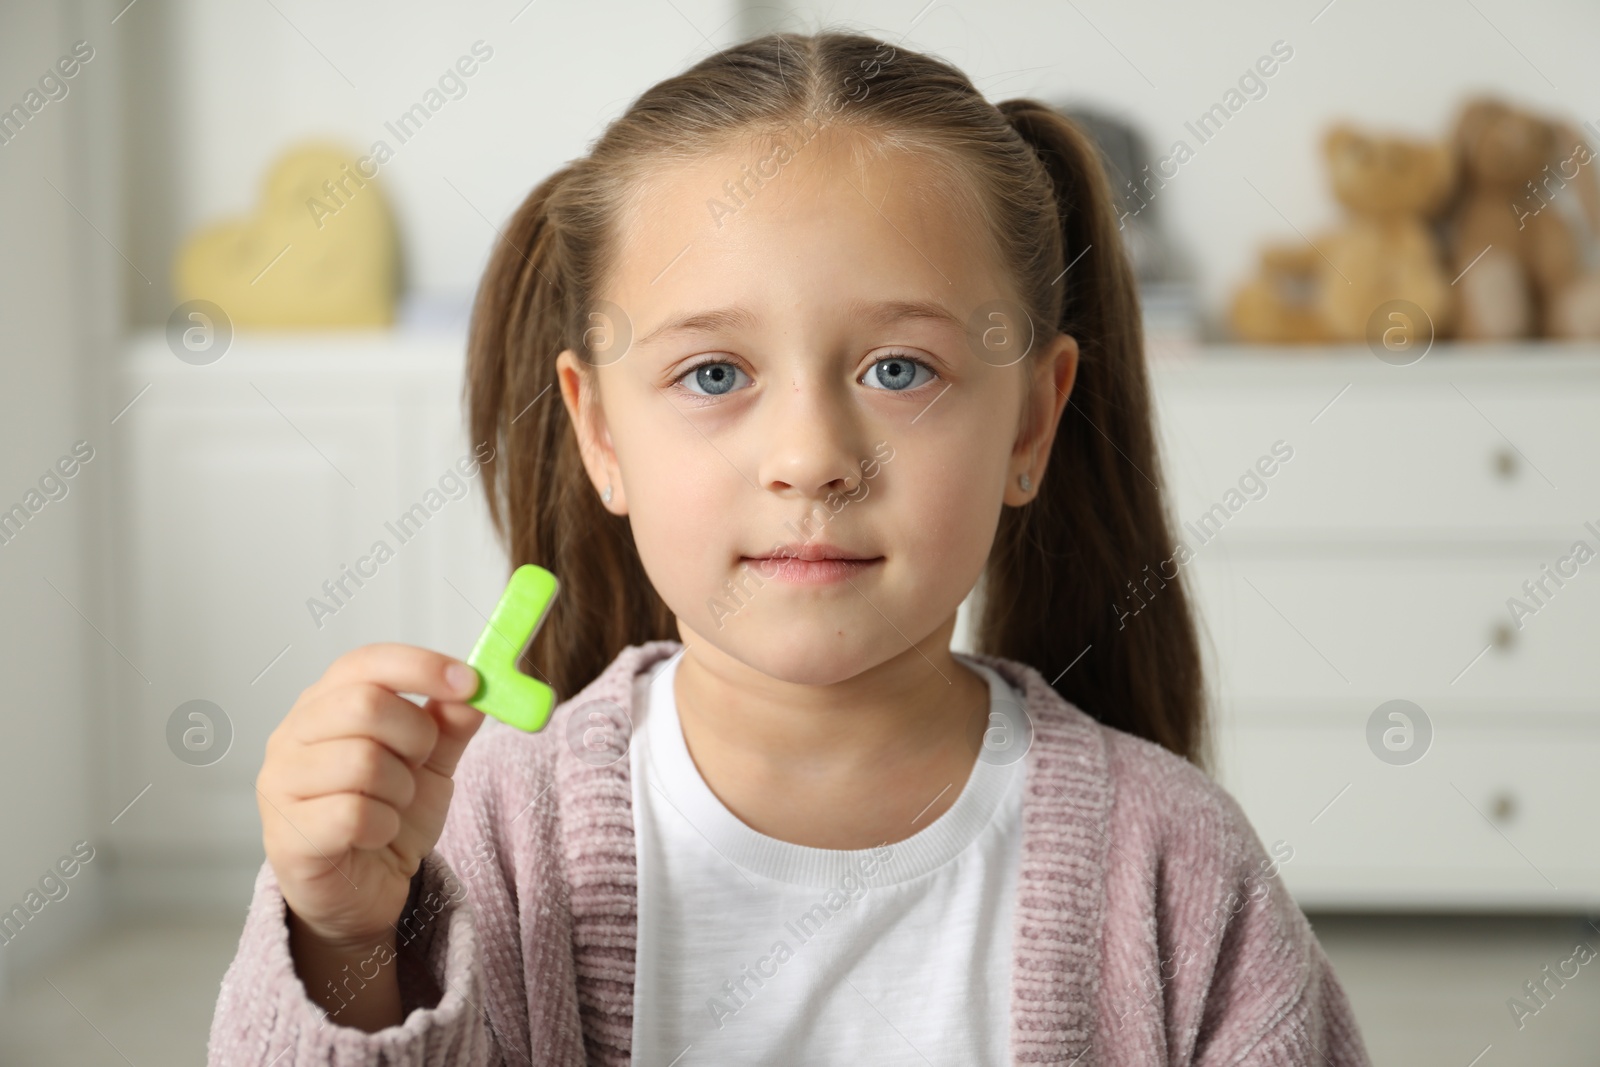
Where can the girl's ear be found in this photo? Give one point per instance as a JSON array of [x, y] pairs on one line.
[[1056, 371], [580, 392]]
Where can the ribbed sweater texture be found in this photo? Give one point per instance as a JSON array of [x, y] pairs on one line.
[[1150, 924]]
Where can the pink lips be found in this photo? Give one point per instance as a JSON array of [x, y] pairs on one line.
[[811, 564]]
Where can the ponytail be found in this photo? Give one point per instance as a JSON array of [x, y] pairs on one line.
[[1069, 571], [541, 504]]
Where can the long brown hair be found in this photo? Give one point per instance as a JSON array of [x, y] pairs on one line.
[[1055, 593]]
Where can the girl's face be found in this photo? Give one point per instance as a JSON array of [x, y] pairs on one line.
[[800, 374]]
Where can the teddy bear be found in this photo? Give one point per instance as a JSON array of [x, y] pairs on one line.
[[1278, 304], [1518, 237], [1330, 288]]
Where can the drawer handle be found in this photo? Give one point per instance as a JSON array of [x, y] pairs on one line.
[[1503, 636], [1505, 463], [1503, 807]]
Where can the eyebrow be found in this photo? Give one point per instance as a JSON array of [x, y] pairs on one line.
[[882, 313]]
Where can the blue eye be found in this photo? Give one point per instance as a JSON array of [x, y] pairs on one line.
[[712, 379], [898, 373]]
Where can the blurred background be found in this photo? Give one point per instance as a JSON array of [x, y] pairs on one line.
[[238, 242]]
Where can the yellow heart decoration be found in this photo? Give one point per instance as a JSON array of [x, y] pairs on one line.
[[321, 249]]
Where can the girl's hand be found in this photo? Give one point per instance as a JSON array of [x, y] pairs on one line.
[[355, 785]]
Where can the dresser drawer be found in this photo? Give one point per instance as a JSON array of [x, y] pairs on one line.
[[1387, 456], [1294, 633], [1486, 818]]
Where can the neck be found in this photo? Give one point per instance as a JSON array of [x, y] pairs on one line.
[[800, 762]]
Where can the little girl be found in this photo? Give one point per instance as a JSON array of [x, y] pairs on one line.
[[835, 338]]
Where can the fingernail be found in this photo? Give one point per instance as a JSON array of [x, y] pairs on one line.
[[463, 678]]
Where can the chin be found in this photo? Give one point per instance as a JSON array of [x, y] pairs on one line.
[[808, 653]]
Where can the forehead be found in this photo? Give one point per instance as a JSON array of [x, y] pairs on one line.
[[794, 217]]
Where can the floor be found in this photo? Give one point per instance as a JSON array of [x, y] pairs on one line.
[[1433, 992], [1428, 992], [141, 996]]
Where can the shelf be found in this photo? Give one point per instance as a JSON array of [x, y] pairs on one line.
[[410, 351], [1231, 364]]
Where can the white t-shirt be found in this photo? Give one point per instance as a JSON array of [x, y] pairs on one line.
[[753, 950]]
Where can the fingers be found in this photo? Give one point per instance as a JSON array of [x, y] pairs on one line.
[[416, 839], [456, 723], [345, 765], [368, 711], [348, 805], [329, 826], [403, 669]]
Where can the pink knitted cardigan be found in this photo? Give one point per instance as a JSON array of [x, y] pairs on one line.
[[1150, 925]]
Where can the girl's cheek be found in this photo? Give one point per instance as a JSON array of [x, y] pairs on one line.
[[943, 504]]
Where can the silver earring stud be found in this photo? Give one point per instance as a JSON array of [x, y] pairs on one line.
[[606, 496], [1025, 481]]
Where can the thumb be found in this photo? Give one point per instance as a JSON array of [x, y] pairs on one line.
[[457, 724]]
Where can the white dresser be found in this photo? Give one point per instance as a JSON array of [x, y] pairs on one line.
[[1376, 567], [245, 485]]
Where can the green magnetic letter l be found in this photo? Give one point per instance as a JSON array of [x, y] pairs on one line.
[[505, 692]]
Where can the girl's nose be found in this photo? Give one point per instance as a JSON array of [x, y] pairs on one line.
[[808, 443]]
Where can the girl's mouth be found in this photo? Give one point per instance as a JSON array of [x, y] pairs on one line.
[[810, 563], [809, 571]]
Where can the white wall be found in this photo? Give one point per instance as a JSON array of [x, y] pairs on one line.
[[58, 308], [237, 81], [231, 83], [1400, 67]]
